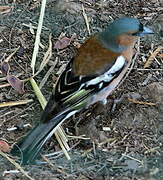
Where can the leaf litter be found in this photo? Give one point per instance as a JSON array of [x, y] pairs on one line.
[[134, 127]]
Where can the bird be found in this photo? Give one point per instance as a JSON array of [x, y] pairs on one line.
[[89, 77]]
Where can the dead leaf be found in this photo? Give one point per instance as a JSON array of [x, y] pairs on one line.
[[16, 83], [62, 43], [5, 9], [160, 55], [20, 52], [11, 55], [5, 68], [68, 6], [4, 146]]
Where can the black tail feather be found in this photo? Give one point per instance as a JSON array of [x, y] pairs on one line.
[[29, 147]]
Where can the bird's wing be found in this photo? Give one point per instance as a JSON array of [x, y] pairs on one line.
[[72, 92]]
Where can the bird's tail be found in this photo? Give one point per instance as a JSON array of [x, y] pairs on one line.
[[30, 146]]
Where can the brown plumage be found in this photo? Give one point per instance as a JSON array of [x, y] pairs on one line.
[[93, 49], [103, 58]]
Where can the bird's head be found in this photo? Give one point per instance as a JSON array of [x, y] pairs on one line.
[[122, 33]]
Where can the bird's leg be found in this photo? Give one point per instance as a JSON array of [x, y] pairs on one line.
[[116, 102], [123, 98], [108, 106], [103, 107]]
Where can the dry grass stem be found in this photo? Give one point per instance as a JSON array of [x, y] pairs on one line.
[[37, 40], [141, 102], [152, 57], [86, 20], [78, 137], [130, 157], [48, 74], [62, 145], [152, 150], [16, 165], [47, 56], [15, 103], [59, 132], [54, 167], [11, 55], [109, 140], [5, 85], [38, 93]]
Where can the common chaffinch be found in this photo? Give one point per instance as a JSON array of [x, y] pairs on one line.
[[90, 77]]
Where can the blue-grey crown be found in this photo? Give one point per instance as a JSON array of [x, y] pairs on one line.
[[118, 27], [122, 25]]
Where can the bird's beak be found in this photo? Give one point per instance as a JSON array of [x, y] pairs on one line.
[[146, 31]]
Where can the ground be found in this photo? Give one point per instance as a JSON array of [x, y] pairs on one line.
[[124, 140]]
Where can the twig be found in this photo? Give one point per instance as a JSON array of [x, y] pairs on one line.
[[86, 20], [5, 85], [125, 155], [152, 150], [78, 137], [54, 166], [15, 103], [139, 69], [16, 165], [108, 140], [141, 102]]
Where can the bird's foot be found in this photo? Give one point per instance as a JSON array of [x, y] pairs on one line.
[[115, 102]]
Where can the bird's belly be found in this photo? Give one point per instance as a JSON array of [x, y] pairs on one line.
[[104, 93]]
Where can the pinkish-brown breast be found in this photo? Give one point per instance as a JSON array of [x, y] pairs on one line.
[[127, 54]]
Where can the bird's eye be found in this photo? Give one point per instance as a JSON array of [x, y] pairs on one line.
[[141, 27], [135, 33], [139, 30]]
